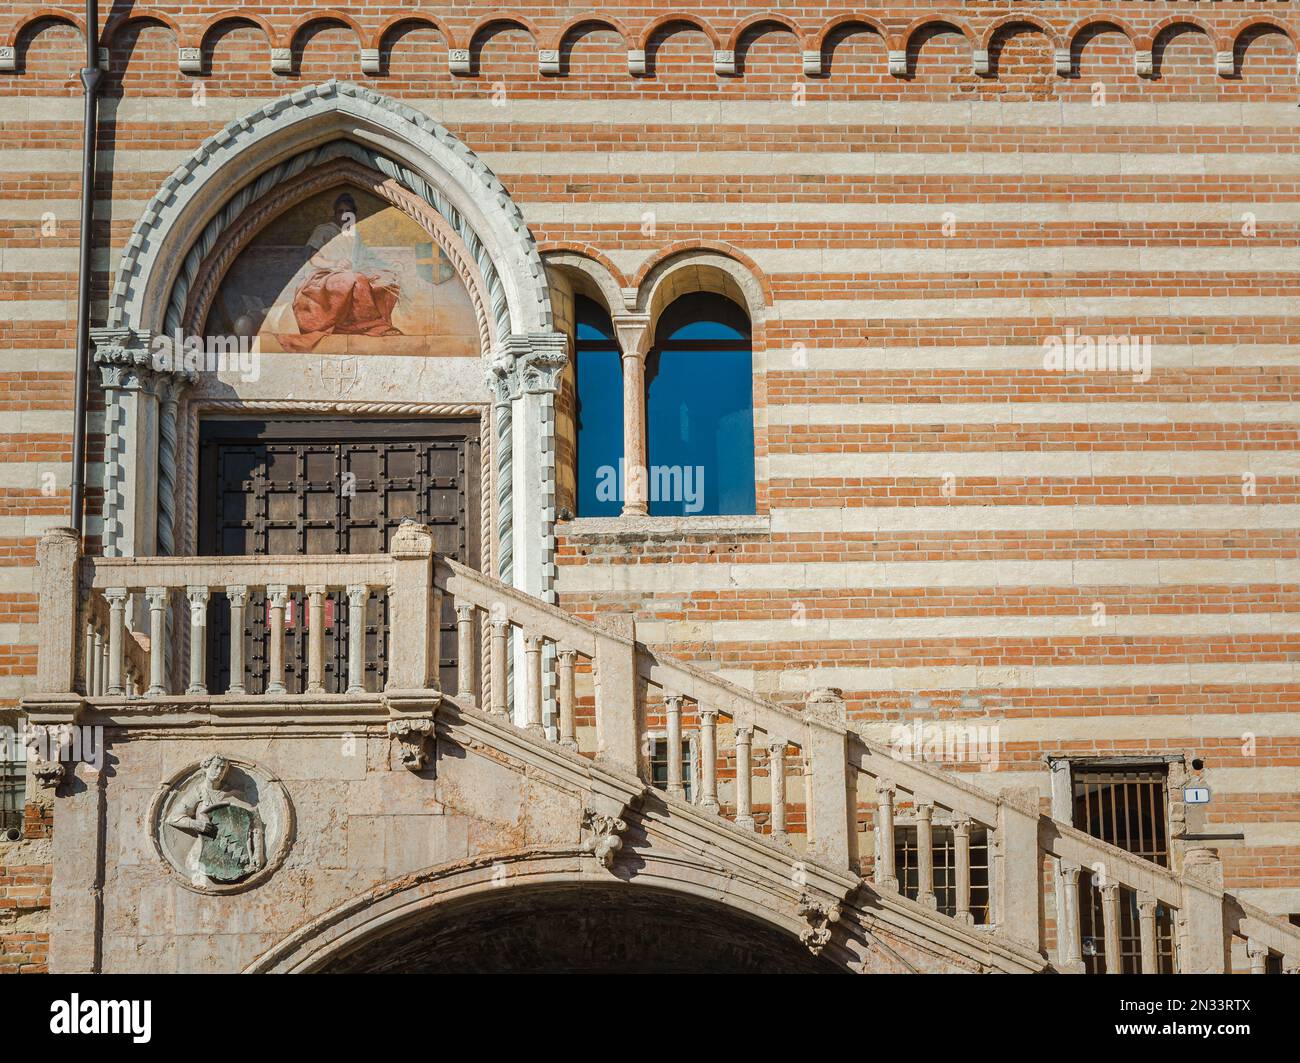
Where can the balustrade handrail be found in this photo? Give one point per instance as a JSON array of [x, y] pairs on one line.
[[215, 573], [950, 790], [679, 677], [466, 584]]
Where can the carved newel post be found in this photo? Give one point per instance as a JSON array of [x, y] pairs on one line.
[[415, 609]]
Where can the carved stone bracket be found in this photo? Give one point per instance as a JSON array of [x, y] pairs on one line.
[[49, 775], [413, 736], [819, 916], [602, 841]]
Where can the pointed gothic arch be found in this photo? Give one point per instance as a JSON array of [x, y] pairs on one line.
[[180, 246], [285, 137]]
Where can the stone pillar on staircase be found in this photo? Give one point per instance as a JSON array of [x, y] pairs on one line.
[[1204, 931]]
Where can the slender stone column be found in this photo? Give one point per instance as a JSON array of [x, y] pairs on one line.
[[500, 663], [1257, 951], [99, 661], [533, 674], [116, 598], [198, 599], [169, 396], [1069, 944], [636, 476], [316, 639], [673, 710], [278, 597], [157, 599], [776, 773], [1110, 924], [1147, 930], [708, 758], [961, 859], [357, 595], [238, 597], [568, 727], [886, 877], [744, 778], [633, 334], [88, 659], [925, 854], [465, 671]]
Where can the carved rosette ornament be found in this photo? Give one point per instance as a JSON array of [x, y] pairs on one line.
[[222, 825], [412, 737], [819, 917], [602, 841]]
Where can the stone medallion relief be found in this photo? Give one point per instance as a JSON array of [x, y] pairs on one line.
[[222, 825]]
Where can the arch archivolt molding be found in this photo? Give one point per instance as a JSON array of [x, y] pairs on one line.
[[401, 902], [176, 231]]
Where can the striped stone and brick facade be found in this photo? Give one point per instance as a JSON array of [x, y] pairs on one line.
[[927, 201]]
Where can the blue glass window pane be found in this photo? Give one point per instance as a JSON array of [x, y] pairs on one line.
[[599, 414], [700, 423], [592, 328], [707, 330]]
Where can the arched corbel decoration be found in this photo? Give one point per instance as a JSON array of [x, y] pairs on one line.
[[183, 223]]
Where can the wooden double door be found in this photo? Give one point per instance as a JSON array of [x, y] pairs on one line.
[[331, 486]]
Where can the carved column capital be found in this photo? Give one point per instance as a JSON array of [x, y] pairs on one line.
[[530, 364], [548, 354], [633, 332], [502, 380], [134, 360]]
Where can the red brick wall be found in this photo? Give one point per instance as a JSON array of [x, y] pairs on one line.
[[1152, 185], [25, 874]]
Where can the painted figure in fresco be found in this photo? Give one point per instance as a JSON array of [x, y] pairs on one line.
[[348, 292], [229, 839]]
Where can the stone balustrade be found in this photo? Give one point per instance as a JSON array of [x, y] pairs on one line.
[[131, 629], [1036, 865]]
